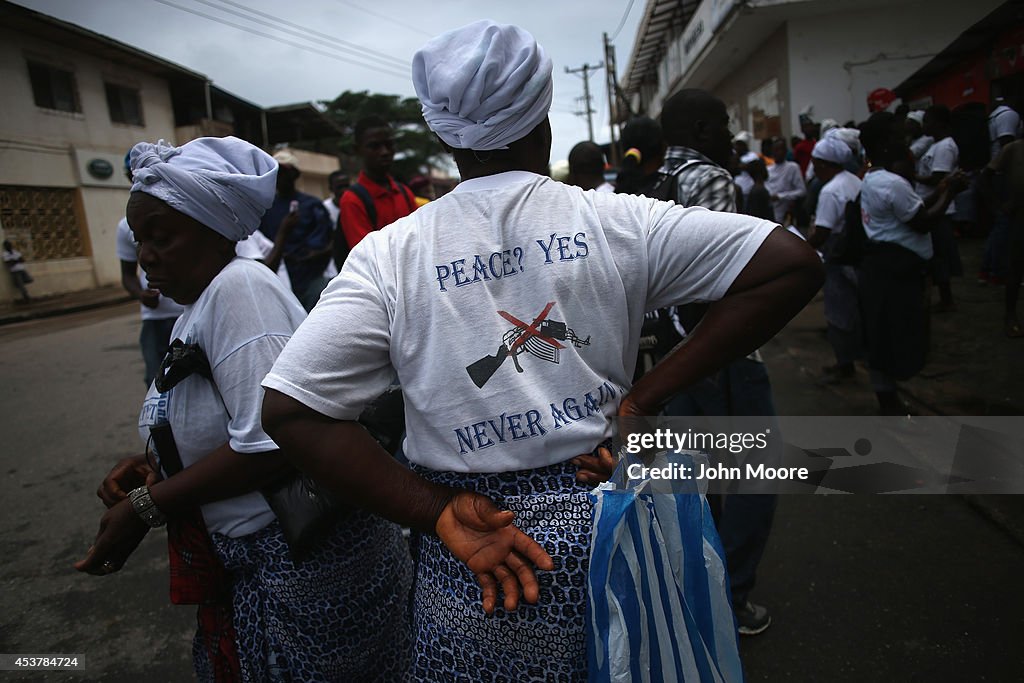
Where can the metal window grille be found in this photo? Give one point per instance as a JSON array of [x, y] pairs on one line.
[[41, 222]]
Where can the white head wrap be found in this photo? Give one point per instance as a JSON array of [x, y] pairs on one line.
[[224, 183], [850, 136], [742, 136], [483, 86], [560, 170], [831, 148], [916, 115], [827, 125]]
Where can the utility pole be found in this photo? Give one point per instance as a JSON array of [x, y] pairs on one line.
[[586, 69], [611, 86]]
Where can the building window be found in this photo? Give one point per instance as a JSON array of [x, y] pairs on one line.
[[124, 104], [764, 110], [42, 222], [54, 88]]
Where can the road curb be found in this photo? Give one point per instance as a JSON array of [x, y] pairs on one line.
[[24, 316]]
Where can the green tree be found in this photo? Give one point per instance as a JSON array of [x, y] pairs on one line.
[[416, 148]]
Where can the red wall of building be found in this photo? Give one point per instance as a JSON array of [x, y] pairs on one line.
[[971, 79]]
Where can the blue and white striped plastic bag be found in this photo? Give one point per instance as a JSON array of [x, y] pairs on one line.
[[658, 598]]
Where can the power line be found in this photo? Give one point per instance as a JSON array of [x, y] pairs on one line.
[[390, 19], [622, 23], [307, 48], [587, 111], [329, 40]]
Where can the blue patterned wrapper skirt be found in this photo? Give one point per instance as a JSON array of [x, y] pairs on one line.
[[339, 615], [455, 640]]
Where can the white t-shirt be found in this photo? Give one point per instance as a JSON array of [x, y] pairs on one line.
[[887, 204], [1002, 121], [787, 183], [921, 145], [257, 248], [745, 183], [242, 320], [831, 211], [165, 308], [12, 259], [507, 262], [942, 157], [333, 211]]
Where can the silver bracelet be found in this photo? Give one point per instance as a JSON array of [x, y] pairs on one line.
[[144, 507]]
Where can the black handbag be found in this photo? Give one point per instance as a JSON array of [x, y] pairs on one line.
[[305, 511], [848, 246]]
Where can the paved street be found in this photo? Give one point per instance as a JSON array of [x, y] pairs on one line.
[[862, 588], [72, 386], [895, 587]]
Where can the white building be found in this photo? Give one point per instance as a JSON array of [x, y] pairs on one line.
[[770, 59], [74, 103]]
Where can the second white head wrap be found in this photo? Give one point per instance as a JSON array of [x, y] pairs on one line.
[[832, 149], [226, 183], [483, 86]]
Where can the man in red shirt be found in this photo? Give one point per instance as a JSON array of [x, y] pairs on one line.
[[375, 199], [802, 150]]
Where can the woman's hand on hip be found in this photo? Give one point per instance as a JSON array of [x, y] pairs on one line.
[[497, 552], [595, 469]]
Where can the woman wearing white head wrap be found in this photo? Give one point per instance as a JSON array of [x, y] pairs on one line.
[[510, 310], [224, 183], [832, 150], [483, 86], [831, 159], [340, 614]]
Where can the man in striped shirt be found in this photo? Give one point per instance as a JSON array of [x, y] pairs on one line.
[[696, 129]]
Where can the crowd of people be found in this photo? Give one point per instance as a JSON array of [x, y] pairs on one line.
[[902, 178], [285, 317]]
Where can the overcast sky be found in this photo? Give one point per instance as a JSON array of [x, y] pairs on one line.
[[356, 44]]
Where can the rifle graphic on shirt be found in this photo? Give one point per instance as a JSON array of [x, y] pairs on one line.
[[541, 338]]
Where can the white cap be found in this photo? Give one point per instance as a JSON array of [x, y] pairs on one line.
[[286, 158]]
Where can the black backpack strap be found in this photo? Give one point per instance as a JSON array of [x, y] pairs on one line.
[[662, 188], [667, 185], [364, 196], [407, 193]]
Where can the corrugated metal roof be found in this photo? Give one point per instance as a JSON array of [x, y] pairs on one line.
[[662, 18]]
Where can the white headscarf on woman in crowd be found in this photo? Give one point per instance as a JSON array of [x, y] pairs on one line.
[[832, 149], [227, 184], [483, 86], [916, 115]]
